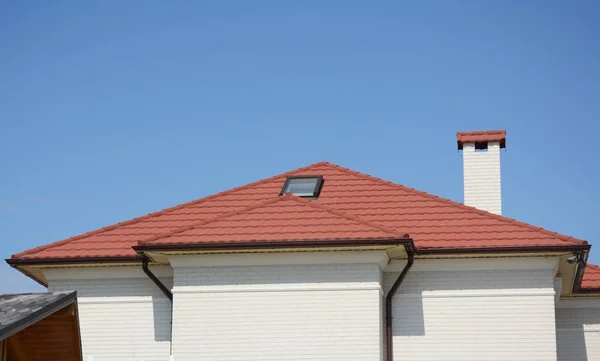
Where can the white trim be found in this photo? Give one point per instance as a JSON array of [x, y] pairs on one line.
[[104, 300], [53, 274], [279, 259], [477, 293], [557, 289], [276, 288], [476, 264]]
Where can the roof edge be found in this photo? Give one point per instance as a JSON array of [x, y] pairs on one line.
[[38, 315], [511, 249], [273, 244], [299, 243], [29, 274], [71, 260], [567, 239], [156, 213], [588, 291]]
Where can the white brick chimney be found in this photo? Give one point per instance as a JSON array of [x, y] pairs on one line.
[[481, 168]]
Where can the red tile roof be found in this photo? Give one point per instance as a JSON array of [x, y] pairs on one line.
[[591, 277], [484, 136], [282, 218], [432, 222]]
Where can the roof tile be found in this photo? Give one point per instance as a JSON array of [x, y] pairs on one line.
[[247, 213], [279, 219], [591, 277]]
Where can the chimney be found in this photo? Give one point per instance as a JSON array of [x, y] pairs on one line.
[[481, 168]]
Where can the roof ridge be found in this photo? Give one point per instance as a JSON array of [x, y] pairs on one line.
[[287, 196], [561, 237], [213, 219], [157, 213], [349, 216]]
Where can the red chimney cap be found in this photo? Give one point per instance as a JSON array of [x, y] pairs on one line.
[[481, 137]]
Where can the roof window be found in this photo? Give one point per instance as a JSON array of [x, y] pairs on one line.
[[303, 186]]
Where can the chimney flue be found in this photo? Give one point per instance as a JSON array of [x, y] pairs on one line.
[[481, 168]]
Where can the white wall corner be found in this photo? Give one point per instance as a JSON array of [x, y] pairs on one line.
[[557, 266], [557, 289]]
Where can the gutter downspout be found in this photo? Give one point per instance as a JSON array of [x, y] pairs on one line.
[[164, 290], [582, 258], [155, 279], [410, 252]]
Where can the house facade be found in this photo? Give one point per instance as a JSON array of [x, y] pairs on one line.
[[325, 263]]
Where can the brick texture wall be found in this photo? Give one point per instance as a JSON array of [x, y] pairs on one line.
[[445, 310], [295, 312], [481, 171], [578, 329], [479, 315], [121, 318]]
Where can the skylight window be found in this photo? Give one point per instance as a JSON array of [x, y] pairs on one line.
[[304, 186]]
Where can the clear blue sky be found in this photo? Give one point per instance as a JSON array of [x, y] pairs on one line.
[[113, 109]]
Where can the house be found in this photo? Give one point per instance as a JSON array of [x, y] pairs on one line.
[[39, 327], [326, 263]]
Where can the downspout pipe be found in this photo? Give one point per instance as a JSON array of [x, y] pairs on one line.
[[164, 290], [410, 252], [582, 258], [155, 279]]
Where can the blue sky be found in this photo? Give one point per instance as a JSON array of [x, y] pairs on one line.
[[112, 109]]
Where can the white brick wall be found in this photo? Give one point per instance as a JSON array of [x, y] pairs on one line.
[[578, 329], [277, 312], [328, 306], [122, 313], [483, 314], [481, 172]]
